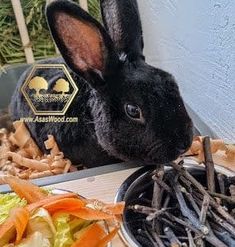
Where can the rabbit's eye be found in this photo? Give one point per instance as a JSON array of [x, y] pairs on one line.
[[134, 112]]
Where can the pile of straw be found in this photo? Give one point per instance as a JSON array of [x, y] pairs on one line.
[[11, 50]]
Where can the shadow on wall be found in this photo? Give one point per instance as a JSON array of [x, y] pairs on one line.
[[195, 41]]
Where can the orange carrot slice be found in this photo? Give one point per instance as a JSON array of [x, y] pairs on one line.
[[91, 236], [20, 218], [88, 214], [24, 189], [7, 232], [104, 241], [116, 209], [48, 200], [18, 221], [64, 204]]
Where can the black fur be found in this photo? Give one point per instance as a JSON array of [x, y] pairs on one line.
[[104, 133], [122, 21]]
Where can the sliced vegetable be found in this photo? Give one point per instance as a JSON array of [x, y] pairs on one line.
[[63, 236], [56, 220], [36, 239], [49, 199], [116, 209], [104, 241], [18, 220], [41, 221], [7, 232], [89, 214], [64, 204], [24, 189], [90, 236], [77, 224], [7, 202]]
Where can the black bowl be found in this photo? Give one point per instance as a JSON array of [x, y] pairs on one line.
[[138, 189]]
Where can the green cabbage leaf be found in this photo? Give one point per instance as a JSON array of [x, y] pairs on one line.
[[7, 202], [63, 237]]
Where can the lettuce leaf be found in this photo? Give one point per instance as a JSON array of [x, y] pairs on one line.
[[41, 222], [78, 224], [63, 237], [7, 202], [35, 240]]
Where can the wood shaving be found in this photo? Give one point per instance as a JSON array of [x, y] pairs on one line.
[[223, 154], [20, 156]]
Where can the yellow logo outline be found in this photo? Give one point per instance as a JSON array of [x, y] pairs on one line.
[[70, 80]]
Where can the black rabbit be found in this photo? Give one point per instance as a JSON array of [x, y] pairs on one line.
[[127, 109]]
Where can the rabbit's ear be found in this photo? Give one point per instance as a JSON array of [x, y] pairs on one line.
[[122, 21], [82, 41]]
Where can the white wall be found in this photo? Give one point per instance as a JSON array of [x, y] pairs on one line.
[[195, 41]]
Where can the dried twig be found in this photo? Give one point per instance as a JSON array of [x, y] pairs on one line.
[[154, 237], [221, 180], [190, 238], [229, 199], [213, 203], [142, 209], [210, 237], [188, 214], [204, 210], [232, 190], [156, 214], [162, 184], [167, 201], [191, 200], [223, 223], [186, 211], [158, 240], [174, 241], [210, 168], [157, 195]]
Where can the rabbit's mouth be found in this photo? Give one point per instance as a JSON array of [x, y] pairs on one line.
[[162, 154]]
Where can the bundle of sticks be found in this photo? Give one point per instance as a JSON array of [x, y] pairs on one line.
[[195, 210], [20, 156]]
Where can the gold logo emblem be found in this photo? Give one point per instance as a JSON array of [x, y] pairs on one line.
[[49, 89]]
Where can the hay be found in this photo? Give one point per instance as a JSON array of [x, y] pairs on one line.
[[11, 50]]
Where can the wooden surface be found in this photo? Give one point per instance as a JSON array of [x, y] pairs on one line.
[[102, 187]]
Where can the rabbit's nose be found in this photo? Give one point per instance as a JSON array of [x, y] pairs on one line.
[[181, 151], [183, 146]]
